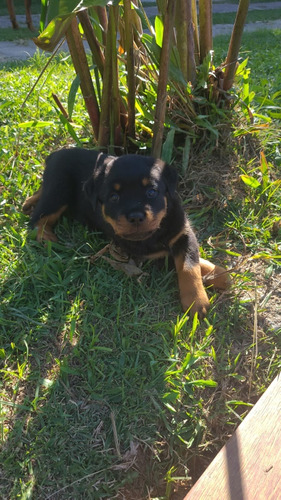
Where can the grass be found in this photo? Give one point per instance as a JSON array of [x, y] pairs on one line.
[[236, 2], [9, 34], [106, 388], [252, 17], [19, 7]]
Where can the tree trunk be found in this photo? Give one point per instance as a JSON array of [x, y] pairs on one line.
[[205, 26], [78, 55], [160, 110], [234, 44]]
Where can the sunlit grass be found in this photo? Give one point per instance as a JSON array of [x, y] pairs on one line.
[[252, 17]]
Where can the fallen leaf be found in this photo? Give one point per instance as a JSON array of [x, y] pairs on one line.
[[129, 268]]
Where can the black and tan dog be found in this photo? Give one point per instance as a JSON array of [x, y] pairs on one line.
[[133, 200]]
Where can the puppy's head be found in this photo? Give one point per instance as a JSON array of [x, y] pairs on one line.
[[134, 192]]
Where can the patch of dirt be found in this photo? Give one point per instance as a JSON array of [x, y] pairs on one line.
[[265, 295], [209, 185]]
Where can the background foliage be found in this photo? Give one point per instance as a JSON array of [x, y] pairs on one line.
[[131, 70]]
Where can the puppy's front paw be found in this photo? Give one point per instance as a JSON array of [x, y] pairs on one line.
[[28, 207], [45, 235], [196, 301]]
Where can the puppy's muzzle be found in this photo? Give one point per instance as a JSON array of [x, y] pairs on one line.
[[139, 228], [136, 218]]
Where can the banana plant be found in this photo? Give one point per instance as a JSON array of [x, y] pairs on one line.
[[163, 72]]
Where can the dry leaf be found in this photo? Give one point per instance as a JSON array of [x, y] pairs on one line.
[[99, 254], [129, 268]]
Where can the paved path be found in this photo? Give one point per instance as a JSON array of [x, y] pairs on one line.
[[23, 49], [220, 7]]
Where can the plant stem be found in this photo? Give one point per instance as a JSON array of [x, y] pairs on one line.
[[78, 55], [92, 39], [196, 32], [205, 25], [234, 44], [131, 81], [102, 15], [110, 105], [160, 109], [185, 39]]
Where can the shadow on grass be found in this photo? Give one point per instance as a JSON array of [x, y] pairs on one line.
[[105, 393], [86, 354]]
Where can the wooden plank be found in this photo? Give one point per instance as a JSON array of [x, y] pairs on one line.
[[248, 467]]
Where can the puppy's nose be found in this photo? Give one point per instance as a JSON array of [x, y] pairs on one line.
[[136, 217]]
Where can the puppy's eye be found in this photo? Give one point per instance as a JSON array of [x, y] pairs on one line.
[[114, 197], [152, 193]]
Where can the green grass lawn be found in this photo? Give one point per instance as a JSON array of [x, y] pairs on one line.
[[19, 7], [265, 77], [9, 35], [236, 2], [252, 17], [106, 388]]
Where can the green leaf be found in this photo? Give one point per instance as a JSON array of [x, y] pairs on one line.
[[276, 94], [171, 397], [168, 146], [43, 16], [242, 66], [159, 30], [185, 154], [262, 117], [264, 170], [102, 349], [202, 122], [250, 181], [69, 370], [264, 255], [238, 403], [53, 33], [202, 383], [191, 359], [46, 382], [61, 8], [60, 15], [68, 127], [72, 95], [170, 407], [274, 114], [230, 252], [213, 354], [35, 124], [66, 7]]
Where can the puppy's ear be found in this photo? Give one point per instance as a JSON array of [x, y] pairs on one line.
[[170, 177], [92, 186]]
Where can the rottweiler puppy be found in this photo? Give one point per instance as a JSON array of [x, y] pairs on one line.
[[132, 199]]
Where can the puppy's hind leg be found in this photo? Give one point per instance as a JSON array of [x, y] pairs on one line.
[[45, 225], [31, 202], [51, 205]]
